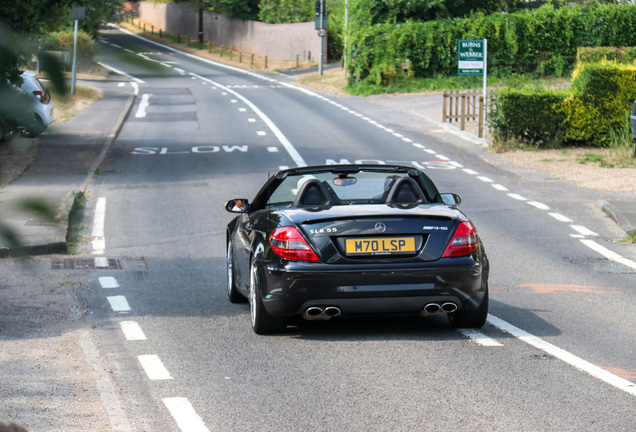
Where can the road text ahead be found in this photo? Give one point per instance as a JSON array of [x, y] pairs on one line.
[[198, 149]]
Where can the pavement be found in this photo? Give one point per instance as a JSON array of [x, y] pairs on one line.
[[68, 156], [58, 173]]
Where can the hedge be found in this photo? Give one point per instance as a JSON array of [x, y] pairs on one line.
[[542, 41], [596, 105], [602, 95], [528, 115], [624, 55]]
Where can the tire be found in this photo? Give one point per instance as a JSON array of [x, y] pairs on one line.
[[35, 128], [262, 322], [232, 292], [470, 319]]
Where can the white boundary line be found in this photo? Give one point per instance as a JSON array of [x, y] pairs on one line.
[[567, 357], [610, 255], [99, 242], [117, 71], [293, 153]]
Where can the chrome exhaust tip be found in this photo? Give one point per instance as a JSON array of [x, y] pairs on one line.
[[449, 307], [332, 311], [432, 308], [313, 313]]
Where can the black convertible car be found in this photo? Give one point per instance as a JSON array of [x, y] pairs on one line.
[[349, 240]]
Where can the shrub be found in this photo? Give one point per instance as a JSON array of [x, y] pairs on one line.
[[528, 115], [601, 96]]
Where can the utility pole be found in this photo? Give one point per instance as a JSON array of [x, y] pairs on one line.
[[200, 21], [321, 26], [77, 13]]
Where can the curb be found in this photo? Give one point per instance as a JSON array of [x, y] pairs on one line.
[[618, 217], [76, 204], [79, 198]]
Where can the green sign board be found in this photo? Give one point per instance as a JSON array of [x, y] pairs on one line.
[[470, 57]]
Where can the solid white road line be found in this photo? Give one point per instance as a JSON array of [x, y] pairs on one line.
[[132, 330], [293, 153], [184, 414], [153, 367], [108, 282], [117, 71], [143, 105], [610, 255], [118, 303], [479, 337], [569, 358], [99, 243]]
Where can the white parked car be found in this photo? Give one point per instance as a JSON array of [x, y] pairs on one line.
[[41, 104]]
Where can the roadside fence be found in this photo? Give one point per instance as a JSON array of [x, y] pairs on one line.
[[465, 106], [227, 54]]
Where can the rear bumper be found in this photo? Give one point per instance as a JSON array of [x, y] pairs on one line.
[[289, 290]]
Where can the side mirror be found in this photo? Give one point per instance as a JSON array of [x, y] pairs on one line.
[[451, 199], [238, 205]]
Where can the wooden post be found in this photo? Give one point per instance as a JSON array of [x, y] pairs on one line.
[[152, 29], [444, 106], [481, 117], [240, 56], [265, 62], [463, 115], [297, 61], [252, 61], [221, 50], [209, 47], [160, 35]]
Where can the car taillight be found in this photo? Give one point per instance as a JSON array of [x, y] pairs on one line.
[[42, 96], [287, 242], [464, 241]]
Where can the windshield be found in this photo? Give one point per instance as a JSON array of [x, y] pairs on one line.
[[359, 188]]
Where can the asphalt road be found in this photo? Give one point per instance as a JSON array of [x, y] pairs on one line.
[[557, 353]]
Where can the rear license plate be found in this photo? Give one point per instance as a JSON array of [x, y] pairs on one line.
[[380, 246]]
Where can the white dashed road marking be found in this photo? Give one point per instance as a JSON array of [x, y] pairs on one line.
[[154, 368], [560, 217], [108, 282], [118, 303], [132, 330], [184, 414]]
